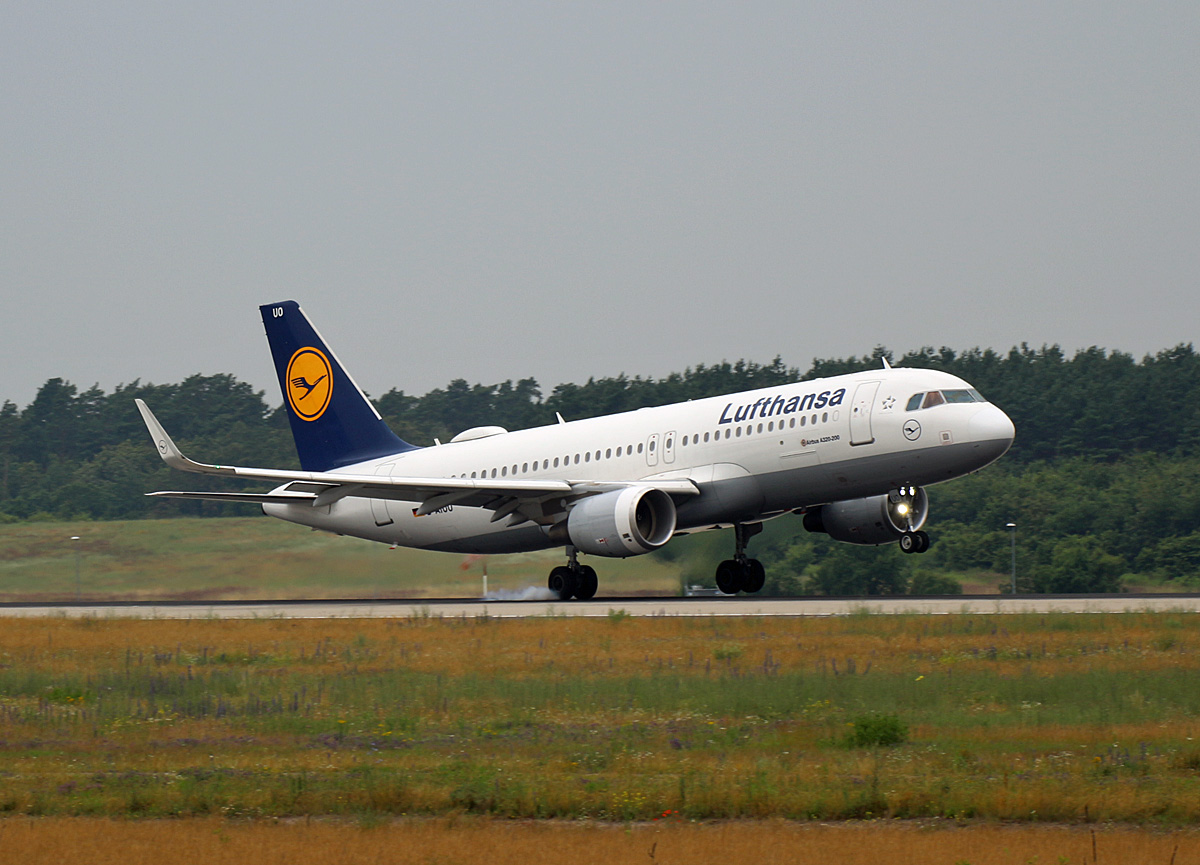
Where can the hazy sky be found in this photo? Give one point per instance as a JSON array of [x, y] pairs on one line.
[[563, 190]]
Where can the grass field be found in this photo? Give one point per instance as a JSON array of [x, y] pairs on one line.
[[255, 557], [1055, 718]]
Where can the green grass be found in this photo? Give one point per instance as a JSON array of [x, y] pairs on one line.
[[257, 557], [1016, 718]]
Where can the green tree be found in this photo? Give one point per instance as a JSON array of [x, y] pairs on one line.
[[848, 569], [1079, 564]]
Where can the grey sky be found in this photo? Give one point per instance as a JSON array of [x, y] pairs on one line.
[[491, 191]]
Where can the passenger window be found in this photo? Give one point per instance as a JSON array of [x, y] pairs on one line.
[[556, 462], [652, 444], [803, 421], [608, 454], [587, 457], [706, 438], [933, 398], [524, 468], [472, 474], [618, 451], [597, 456], [824, 417], [914, 402], [640, 446], [504, 472], [493, 472], [760, 427], [739, 432]]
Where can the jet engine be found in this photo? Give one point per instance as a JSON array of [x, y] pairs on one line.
[[622, 523], [874, 520]]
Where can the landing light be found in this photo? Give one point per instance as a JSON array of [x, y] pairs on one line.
[[902, 510]]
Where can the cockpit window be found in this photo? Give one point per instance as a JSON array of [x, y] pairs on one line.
[[936, 397], [958, 396]]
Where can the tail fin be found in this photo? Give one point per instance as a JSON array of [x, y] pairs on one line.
[[333, 422]]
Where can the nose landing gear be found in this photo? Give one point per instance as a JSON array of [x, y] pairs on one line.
[[741, 573], [914, 542]]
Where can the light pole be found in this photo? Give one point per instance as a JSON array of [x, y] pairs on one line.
[[1012, 531], [78, 590]]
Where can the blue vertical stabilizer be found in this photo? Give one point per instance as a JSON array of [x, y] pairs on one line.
[[333, 422]]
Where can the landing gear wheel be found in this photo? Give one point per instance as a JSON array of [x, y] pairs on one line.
[[908, 542], [922, 542], [729, 577], [586, 583], [562, 583], [753, 577]]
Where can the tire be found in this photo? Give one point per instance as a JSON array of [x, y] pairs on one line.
[[922, 542], [754, 577], [908, 542], [586, 583], [562, 583], [729, 577]]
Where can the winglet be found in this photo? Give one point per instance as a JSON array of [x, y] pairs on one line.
[[169, 451]]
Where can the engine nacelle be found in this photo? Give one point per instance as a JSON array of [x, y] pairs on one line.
[[622, 523], [871, 521]]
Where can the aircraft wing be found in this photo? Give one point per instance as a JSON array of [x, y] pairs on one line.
[[538, 500]]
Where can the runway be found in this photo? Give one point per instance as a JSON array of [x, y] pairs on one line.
[[634, 606]]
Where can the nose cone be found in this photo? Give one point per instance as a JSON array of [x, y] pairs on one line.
[[992, 432]]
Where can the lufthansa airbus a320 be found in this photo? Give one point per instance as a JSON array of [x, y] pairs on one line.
[[851, 454]]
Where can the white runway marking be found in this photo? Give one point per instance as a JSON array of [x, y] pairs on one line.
[[634, 606]]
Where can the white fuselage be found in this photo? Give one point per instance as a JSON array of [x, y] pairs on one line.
[[753, 455]]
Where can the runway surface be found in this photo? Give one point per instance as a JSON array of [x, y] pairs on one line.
[[636, 606]]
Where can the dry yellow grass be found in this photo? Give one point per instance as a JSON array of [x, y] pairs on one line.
[[459, 840], [1038, 646]]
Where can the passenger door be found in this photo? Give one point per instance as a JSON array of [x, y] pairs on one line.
[[860, 413]]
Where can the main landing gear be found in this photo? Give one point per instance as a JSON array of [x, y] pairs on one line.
[[741, 573], [573, 580]]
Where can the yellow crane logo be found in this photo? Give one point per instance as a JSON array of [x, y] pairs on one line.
[[309, 383]]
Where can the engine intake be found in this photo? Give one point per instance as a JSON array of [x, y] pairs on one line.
[[874, 520], [622, 523]]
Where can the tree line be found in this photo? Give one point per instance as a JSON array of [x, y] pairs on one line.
[[1101, 480]]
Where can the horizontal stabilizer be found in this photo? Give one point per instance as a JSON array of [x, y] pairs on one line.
[[251, 498]]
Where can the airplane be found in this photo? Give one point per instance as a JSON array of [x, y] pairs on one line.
[[851, 454]]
